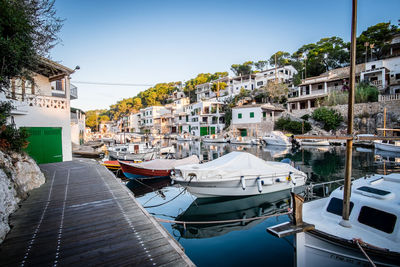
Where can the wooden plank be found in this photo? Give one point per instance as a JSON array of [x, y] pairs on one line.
[[90, 219], [288, 228]]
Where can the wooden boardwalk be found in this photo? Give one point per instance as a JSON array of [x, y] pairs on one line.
[[83, 216]]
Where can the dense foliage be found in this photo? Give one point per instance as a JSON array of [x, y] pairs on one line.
[[329, 117], [11, 138], [95, 117], [28, 30], [295, 127], [365, 93]]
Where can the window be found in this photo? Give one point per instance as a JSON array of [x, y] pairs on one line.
[[286, 72], [373, 67], [260, 83], [320, 86], [336, 84], [336, 206], [264, 114], [373, 190], [377, 219], [251, 114], [245, 86], [239, 115], [180, 117], [397, 76]]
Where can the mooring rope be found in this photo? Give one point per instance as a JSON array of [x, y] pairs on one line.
[[157, 205], [357, 241], [225, 221]]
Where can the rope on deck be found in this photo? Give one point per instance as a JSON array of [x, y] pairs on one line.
[[357, 241], [226, 221]]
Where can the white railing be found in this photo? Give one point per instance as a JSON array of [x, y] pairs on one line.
[[313, 93], [382, 98], [39, 100]]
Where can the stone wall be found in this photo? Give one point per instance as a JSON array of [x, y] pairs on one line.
[[19, 174], [367, 116]]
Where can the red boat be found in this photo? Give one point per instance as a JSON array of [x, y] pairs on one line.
[[154, 168]]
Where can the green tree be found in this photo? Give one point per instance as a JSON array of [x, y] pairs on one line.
[[28, 30], [242, 69], [282, 59], [261, 65], [380, 36], [95, 117], [11, 138]]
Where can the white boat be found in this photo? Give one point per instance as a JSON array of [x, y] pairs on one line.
[[215, 139], [241, 140], [276, 138], [314, 142], [237, 174], [132, 151], [393, 146], [168, 150], [374, 213], [184, 137]]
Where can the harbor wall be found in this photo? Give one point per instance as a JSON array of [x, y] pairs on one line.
[[19, 174]]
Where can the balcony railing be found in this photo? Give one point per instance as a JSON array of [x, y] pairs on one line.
[[382, 98], [38, 100], [377, 83], [74, 92]]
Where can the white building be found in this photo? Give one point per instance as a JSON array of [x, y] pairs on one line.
[[254, 120], [206, 117], [150, 119], [134, 122], [78, 126], [43, 108], [247, 82]]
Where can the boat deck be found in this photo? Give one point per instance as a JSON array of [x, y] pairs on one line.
[[84, 216]]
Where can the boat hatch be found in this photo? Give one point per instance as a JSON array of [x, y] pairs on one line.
[[335, 206], [374, 192], [377, 219]]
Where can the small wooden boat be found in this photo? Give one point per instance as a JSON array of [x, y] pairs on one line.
[[241, 140], [113, 165], [154, 168]]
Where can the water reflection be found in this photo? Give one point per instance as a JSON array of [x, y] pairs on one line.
[[208, 244], [144, 186], [220, 209]]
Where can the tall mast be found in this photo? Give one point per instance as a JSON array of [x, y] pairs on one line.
[[349, 143]]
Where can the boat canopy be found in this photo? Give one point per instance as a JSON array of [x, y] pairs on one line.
[[236, 164], [165, 164]]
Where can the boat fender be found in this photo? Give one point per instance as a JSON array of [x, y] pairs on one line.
[[243, 182], [259, 184]]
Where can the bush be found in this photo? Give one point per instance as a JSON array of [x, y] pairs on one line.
[[330, 117], [11, 138], [337, 98], [295, 127], [366, 93], [305, 117]]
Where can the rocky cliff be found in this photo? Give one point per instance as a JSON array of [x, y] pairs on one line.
[[19, 174]]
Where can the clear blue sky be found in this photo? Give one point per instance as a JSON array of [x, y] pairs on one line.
[[149, 41]]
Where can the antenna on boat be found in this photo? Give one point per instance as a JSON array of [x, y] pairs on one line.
[[350, 117]]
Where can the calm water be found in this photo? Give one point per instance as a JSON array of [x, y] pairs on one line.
[[247, 244]]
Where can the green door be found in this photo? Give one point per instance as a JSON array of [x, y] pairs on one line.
[[45, 144], [243, 132], [203, 131], [212, 130], [180, 129]]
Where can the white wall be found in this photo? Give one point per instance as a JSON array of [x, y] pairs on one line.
[[49, 117], [246, 115]]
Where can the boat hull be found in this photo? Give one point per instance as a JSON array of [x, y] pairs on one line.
[[315, 247], [133, 172], [387, 147], [234, 187]]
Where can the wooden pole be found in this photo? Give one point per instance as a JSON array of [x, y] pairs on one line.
[[384, 121], [349, 145], [297, 208]]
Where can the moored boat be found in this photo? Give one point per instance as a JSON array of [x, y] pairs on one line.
[[215, 139], [276, 138], [314, 142], [393, 146], [241, 140], [154, 168], [374, 224], [237, 174]]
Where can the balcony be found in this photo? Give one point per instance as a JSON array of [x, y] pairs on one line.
[[22, 101], [74, 92], [377, 84]]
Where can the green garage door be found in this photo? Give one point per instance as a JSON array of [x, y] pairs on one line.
[[203, 131], [45, 144]]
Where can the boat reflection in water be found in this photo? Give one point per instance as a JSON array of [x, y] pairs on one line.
[[144, 186], [228, 208]]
